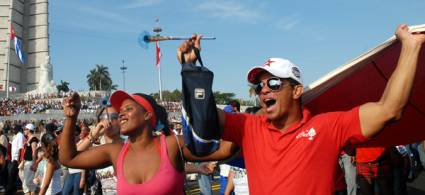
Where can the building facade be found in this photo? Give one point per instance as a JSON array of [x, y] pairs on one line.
[[29, 19]]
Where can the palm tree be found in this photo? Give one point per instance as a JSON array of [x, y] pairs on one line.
[[92, 78], [99, 78], [63, 86]]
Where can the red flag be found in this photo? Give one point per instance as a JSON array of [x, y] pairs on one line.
[[12, 32], [158, 55]]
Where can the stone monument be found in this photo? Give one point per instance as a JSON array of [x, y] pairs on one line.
[[30, 20]]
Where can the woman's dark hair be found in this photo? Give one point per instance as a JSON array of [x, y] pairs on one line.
[[51, 151], [100, 110], [252, 110], [160, 112]]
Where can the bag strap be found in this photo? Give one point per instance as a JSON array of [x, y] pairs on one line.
[[182, 159], [197, 53], [180, 148]]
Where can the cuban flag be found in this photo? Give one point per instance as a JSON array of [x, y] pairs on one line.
[[158, 55], [18, 45]]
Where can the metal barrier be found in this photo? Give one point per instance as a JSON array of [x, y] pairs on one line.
[[48, 115]]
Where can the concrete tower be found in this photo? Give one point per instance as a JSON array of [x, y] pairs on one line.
[[30, 22]]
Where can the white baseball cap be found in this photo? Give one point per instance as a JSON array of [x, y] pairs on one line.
[[30, 127], [279, 67]]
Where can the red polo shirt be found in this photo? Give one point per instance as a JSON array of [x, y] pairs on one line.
[[371, 154], [301, 160]]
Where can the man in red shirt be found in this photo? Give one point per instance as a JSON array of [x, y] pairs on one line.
[[288, 151]]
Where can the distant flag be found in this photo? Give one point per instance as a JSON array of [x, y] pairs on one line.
[[158, 55], [18, 44]]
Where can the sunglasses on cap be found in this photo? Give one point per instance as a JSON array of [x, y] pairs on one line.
[[273, 83], [112, 116]]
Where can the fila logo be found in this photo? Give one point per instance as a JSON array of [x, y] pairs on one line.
[[307, 133], [199, 93]]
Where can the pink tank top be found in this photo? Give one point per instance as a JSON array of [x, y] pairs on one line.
[[167, 179]]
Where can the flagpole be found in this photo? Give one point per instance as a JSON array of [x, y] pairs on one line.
[[160, 82], [8, 50]]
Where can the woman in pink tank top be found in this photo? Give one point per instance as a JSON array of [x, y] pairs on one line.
[[144, 163]]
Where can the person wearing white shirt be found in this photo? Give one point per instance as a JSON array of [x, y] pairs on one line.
[[17, 143]]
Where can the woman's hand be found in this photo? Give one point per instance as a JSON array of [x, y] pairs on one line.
[[72, 105]]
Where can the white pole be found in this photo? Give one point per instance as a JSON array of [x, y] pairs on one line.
[[160, 82], [8, 49]]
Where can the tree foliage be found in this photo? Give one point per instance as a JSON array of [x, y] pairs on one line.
[[63, 86], [173, 96], [100, 79], [223, 98]]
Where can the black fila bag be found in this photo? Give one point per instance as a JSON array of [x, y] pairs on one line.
[[200, 123]]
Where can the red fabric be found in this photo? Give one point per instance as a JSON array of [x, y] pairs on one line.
[[9, 152], [158, 54], [366, 84], [373, 170], [369, 154], [12, 32], [301, 160]]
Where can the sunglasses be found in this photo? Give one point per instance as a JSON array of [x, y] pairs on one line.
[[112, 116], [272, 83]]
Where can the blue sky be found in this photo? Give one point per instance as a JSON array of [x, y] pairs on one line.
[[318, 36]]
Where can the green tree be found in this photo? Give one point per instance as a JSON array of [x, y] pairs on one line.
[[100, 79], [223, 98], [173, 96], [63, 86]]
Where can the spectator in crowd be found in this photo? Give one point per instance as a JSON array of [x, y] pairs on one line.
[[347, 163], [4, 140], [400, 168], [8, 173], [373, 165], [38, 176], [107, 131], [139, 116], [281, 148], [39, 104], [51, 184], [30, 156], [17, 145], [74, 181]]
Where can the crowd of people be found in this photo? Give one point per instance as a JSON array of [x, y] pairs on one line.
[[132, 148], [32, 104]]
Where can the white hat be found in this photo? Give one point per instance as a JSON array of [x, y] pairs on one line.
[[30, 127], [279, 67]]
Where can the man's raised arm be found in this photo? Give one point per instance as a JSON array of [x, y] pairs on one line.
[[374, 115], [186, 50]]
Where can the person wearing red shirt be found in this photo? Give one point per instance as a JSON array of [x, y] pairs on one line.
[[288, 151], [373, 165]]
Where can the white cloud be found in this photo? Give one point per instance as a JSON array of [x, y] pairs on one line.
[[229, 10], [287, 23], [140, 3]]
